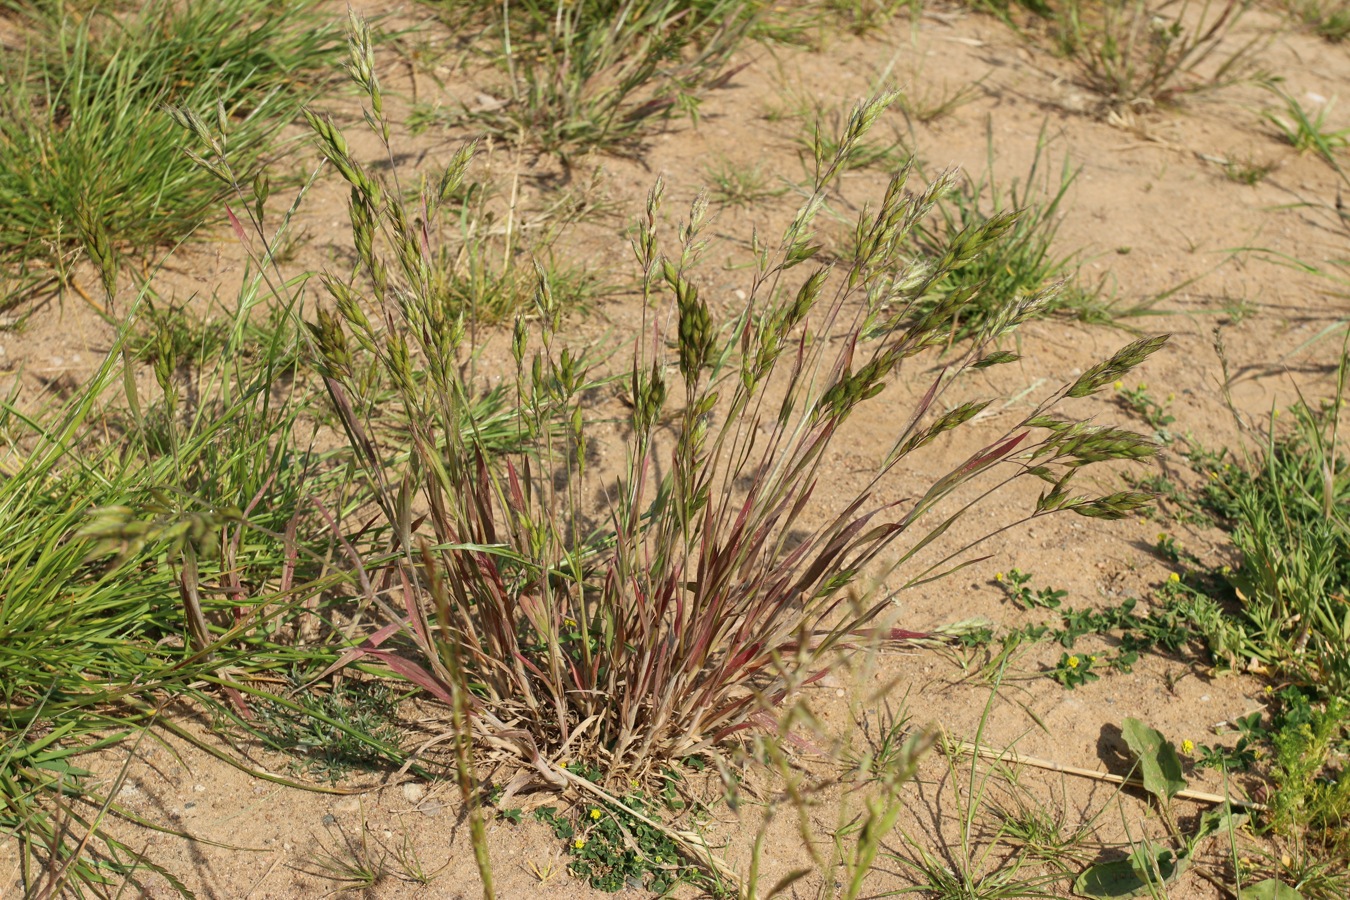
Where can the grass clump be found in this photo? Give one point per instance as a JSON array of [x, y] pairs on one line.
[[170, 586], [158, 546], [1141, 53], [1024, 262], [1287, 509], [1304, 130], [352, 726], [89, 162], [1279, 609], [678, 614], [598, 74], [1327, 18]]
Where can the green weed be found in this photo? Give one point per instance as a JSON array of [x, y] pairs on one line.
[[926, 105], [171, 582], [1328, 18], [1287, 511], [863, 17], [353, 863], [974, 868], [600, 74], [1041, 830], [1247, 170], [366, 737], [1155, 413], [1073, 670], [1304, 131], [1014, 584], [1312, 796], [1142, 52], [823, 144], [612, 851], [742, 185], [1025, 262]]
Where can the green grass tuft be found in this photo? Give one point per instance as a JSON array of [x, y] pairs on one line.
[[89, 161]]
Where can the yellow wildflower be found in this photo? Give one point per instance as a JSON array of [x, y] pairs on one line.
[[579, 843], [1174, 578], [595, 814], [998, 576], [1188, 746], [1073, 662], [1118, 385]]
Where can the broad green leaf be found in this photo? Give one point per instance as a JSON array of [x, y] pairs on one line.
[[1159, 766], [1219, 820], [1270, 889], [1133, 876]]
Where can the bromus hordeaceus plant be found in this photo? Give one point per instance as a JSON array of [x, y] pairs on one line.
[[677, 616]]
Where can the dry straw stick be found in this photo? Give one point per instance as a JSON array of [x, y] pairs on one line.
[[1132, 781]]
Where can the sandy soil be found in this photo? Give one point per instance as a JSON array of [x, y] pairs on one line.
[[1151, 209]]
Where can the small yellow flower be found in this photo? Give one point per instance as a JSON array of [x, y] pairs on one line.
[[998, 576], [1073, 662], [1092, 658], [1118, 385], [1270, 689], [1174, 578], [579, 843], [570, 623], [1142, 386], [1162, 536], [1188, 746], [595, 814]]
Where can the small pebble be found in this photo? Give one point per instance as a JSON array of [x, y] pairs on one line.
[[199, 788], [329, 819], [414, 792]]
